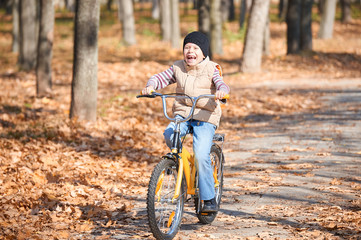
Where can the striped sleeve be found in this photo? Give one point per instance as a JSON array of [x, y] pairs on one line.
[[219, 83], [163, 79]]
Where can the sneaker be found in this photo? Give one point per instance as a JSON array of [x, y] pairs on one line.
[[210, 206]]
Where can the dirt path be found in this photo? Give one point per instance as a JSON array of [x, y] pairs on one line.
[[298, 177], [294, 176]]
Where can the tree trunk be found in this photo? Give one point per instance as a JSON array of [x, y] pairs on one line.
[[245, 8], [252, 54], [320, 6], [293, 20], [28, 34], [299, 31], [346, 11], [175, 36], [70, 5], [232, 14], [7, 5], [282, 9], [216, 27], [204, 22], [165, 20], [16, 23], [306, 22], [266, 37], [155, 9], [225, 9], [120, 11], [128, 26], [45, 45], [327, 20], [109, 5], [85, 67]]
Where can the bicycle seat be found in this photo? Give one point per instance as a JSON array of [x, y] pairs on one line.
[[218, 137]]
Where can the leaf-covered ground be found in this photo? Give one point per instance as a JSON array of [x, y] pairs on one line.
[[61, 178]]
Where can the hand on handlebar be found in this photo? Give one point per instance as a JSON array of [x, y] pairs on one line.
[[221, 95], [147, 90]]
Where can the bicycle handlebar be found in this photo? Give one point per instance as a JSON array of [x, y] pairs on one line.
[[194, 100]]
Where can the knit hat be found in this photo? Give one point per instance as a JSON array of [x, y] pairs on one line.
[[200, 39]]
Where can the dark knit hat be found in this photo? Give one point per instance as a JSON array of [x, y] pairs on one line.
[[200, 39]]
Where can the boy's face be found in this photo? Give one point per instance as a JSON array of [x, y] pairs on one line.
[[192, 54]]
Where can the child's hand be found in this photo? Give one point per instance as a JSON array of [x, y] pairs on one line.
[[148, 90], [220, 94]]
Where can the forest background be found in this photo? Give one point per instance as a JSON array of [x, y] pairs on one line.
[[61, 176]]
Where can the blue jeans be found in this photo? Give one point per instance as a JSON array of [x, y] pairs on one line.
[[203, 133]]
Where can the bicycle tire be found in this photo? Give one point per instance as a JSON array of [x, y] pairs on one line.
[[217, 159], [164, 216]]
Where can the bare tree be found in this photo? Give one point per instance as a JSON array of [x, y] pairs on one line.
[[28, 34], [282, 9], [227, 10], [232, 13], [293, 20], [327, 20], [165, 20], [245, 7], [109, 5], [346, 11], [210, 23], [306, 28], [299, 32], [16, 23], [85, 68], [70, 5], [266, 37], [252, 52], [169, 21], [175, 36], [45, 48], [216, 27], [155, 9], [320, 6], [128, 26], [204, 22]]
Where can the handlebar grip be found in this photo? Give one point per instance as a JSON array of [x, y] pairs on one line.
[[224, 99], [146, 96], [152, 95]]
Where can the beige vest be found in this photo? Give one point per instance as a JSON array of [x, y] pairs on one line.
[[195, 81]]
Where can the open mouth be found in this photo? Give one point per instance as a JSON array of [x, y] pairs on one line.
[[191, 58]]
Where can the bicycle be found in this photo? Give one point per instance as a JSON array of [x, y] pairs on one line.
[[175, 176]]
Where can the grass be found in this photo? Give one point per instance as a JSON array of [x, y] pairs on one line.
[[356, 11], [149, 33], [27, 105], [231, 36]]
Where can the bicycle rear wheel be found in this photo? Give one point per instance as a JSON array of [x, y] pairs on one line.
[[217, 159], [164, 215]]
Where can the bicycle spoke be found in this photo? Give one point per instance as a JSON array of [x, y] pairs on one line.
[[167, 212]]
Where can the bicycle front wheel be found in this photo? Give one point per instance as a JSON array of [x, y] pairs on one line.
[[164, 213]]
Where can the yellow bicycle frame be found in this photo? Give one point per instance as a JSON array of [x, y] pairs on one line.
[[187, 166]]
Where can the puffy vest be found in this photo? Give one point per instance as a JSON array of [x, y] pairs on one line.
[[195, 81]]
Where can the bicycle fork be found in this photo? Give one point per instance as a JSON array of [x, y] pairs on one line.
[[184, 158]]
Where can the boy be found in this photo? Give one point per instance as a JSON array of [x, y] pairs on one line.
[[194, 76]]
